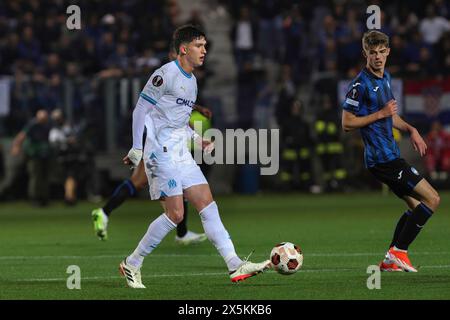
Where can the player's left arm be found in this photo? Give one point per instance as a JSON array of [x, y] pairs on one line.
[[416, 139], [203, 110]]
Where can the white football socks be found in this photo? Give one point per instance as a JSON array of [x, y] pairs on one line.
[[157, 230], [218, 235]]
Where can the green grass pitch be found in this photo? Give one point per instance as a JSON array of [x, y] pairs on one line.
[[341, 235]]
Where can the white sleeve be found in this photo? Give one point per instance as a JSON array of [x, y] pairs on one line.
[[154, 89], [139, 113]]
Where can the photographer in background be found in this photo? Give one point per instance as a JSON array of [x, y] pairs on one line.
[[67, 150], [34, 139]]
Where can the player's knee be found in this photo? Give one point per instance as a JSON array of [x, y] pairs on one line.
[[435, 201], [203, 203], [176, 215]]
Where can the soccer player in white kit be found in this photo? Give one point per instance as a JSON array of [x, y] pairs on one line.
[[164, 107]]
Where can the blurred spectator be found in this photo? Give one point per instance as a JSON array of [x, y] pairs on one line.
[[247, 91], [147, 61], [295, 39], [29, 47], [196, 19], [106, 48], [396, 56], [404, 22], [413, 55], [244, 38], [35, 138], [67, 151], [286, 93], [9, 52], [53, 66], [329, 145], [264, 101], [433, 26], [296, 149], [443, 54], [349, 40], [269, 29], [437, 158]]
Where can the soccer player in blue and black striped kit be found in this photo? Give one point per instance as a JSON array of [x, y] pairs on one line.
[[371, 107]]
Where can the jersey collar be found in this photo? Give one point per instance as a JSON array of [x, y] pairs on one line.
[[187, 75], [370, 74]]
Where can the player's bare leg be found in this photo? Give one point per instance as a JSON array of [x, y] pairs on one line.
[[423, 203], [156, 232], [201, 198], [426, 194]]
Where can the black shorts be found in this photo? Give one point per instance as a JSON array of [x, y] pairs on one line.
[[398, 175]]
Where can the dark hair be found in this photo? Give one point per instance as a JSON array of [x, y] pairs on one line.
[[374, 38], [186, 34]]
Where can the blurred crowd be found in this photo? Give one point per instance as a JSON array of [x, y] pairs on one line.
[[325, 35], [116, 37], [310, 44]]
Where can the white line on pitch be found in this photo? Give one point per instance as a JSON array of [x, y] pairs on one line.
[[212, 274], [168, 255]]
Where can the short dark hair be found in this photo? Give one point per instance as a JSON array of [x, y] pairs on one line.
[[374, 38], [186, 34]]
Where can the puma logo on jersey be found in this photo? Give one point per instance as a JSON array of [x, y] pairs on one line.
[[183, 88], [400, 175]]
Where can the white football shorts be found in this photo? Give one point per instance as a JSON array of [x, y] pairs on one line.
[[167, 178]]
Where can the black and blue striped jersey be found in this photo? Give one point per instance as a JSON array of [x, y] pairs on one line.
[[367, 94]]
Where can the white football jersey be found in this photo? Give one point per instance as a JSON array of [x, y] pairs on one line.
[[171, 94]]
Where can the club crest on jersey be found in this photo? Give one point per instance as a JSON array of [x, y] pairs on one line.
[[185, 102], [172, 183], [157, 81]]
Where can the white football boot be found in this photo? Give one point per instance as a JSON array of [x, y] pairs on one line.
[[249, 269], [131, 274], [191, 238]]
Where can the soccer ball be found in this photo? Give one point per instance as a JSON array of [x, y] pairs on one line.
[[286, 258]]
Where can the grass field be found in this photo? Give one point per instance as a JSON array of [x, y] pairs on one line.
[[341, 235]]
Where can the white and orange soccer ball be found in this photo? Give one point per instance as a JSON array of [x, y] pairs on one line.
[[286, 258]]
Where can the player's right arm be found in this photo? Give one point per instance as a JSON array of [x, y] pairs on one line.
[[148, 98], [351, 121], [352, 117]]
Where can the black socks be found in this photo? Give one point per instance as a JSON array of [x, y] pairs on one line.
[[413, 225]]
